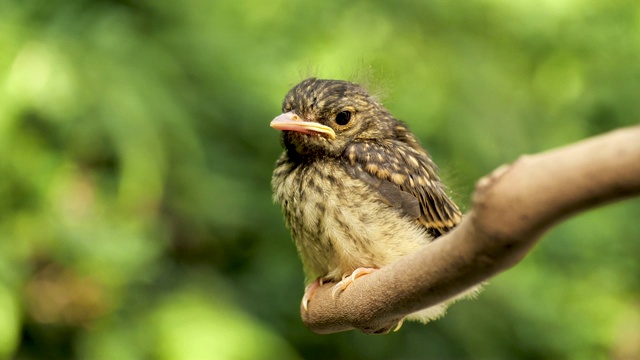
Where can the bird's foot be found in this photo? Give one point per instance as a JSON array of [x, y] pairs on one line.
[[309, 291], [349, 279]]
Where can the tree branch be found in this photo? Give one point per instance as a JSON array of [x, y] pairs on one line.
[[512, 208]]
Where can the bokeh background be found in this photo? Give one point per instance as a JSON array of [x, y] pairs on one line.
[[136, 219]]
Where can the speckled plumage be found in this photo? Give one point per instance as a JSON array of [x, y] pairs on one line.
[[359, 194]]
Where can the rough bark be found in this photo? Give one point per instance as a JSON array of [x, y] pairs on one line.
[[511, 209]]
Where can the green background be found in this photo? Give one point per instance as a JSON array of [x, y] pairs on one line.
[[136, 219]]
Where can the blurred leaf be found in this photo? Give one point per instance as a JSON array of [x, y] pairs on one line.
[[9, 323]]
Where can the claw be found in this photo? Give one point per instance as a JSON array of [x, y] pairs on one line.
[[349, 279], [399, 325], [309, 291]]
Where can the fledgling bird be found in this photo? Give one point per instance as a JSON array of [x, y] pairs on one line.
[[356, 188]]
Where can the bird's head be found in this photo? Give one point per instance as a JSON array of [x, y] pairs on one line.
[[322, 117]]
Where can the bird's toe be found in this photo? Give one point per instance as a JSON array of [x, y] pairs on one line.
[[349, 279]]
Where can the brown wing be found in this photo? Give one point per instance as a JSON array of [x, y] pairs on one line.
[[391, 193], [404, 175]]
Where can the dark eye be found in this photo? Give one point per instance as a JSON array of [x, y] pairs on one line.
[[342, 118]]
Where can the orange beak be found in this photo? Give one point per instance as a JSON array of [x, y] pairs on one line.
[[292, 122]]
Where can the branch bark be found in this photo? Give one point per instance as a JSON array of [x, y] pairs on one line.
[[512, 207]]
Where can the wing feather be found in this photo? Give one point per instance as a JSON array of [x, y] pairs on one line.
[[405, 176]]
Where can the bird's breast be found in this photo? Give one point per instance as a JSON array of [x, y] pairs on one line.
[[338, 223]]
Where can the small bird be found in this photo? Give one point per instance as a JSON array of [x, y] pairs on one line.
[[356, 188]]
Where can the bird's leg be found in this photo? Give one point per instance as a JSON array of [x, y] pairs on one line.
[[310, 290], [349, 279]]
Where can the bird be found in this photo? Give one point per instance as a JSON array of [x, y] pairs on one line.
[[356, 188]]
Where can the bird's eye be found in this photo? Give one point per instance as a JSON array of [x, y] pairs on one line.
[[343, 118]]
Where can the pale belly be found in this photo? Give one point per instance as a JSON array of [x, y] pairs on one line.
[[339, 224]]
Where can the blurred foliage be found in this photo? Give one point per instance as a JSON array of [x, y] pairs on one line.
[[135, 162]]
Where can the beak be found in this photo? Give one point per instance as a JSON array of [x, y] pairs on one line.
[[293, 122]]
